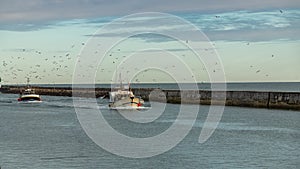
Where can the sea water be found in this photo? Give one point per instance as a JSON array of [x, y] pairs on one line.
[[49, 135]]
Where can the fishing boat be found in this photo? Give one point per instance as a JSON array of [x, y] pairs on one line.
[[122, 97], [28, 95]]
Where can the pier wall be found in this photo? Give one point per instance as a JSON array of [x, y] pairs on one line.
[[274, 100]]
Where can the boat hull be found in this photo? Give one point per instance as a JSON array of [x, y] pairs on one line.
[[127, 103], [30, 98]]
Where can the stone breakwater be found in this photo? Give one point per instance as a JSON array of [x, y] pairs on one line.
[[274, 100]]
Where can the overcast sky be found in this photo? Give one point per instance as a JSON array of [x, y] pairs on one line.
[[256, 40], [44, 10]]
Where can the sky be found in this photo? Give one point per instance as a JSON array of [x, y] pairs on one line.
[[246, 41]]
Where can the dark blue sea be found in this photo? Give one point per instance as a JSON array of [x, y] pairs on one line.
[[49, 135]]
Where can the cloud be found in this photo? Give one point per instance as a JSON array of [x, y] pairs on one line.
[[254, 35], [246, 20], [249, 26], [18, 50], [243, 25], [231, 26], [18, 11]]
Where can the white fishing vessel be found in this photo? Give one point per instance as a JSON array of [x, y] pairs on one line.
[[29, 95], [122, 97]]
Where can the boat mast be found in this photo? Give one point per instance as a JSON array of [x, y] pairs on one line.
[[121, 84], [28, 82]]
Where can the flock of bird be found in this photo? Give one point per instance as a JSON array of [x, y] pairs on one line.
[[40, 66], [35, 65], [61, 66]]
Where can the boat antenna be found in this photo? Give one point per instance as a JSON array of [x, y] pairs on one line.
[[120, 77]]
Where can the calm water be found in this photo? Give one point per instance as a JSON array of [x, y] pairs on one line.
[[49, 135]]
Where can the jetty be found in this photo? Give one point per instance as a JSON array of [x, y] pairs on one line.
[[258, 99]]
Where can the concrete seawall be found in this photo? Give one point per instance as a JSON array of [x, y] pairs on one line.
[[274, 100]]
